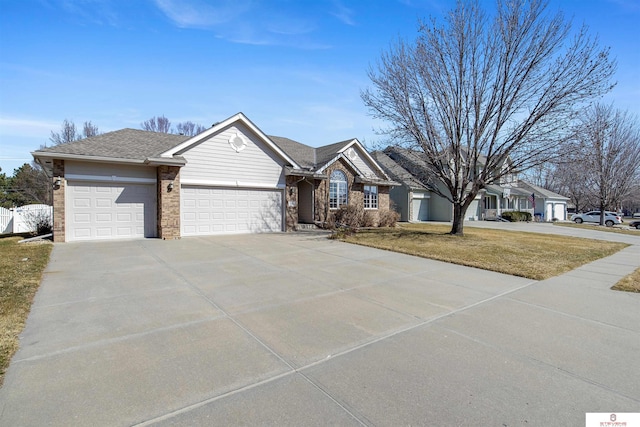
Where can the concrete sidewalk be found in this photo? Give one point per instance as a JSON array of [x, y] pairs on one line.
[[295, 329]]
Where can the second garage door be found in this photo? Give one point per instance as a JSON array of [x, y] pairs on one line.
[[420, 209], [215, 210], [104, 211]]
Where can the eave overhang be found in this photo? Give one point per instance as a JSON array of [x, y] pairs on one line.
[[289, 171], [376, 181]]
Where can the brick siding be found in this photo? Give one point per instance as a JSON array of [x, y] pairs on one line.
[[168, 202], [59, 228]]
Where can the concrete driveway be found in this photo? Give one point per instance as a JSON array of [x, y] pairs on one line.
[[295, 329]]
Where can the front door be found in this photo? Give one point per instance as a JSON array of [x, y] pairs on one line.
[[305, 202]]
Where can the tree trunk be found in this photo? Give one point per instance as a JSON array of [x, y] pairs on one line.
[[457, 229], [601, 212]]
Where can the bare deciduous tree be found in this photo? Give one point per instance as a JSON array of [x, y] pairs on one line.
[[569, 177], [157, 124], [609, 142], [189, 128], [473, 93], [69, 132], [89, 130], [163, 125]]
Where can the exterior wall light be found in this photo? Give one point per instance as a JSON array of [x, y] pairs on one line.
[[170, 186], [57, 182]]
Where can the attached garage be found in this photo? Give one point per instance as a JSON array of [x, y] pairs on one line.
[[109, 210], [229, 179], [420, 207], [218, 210]]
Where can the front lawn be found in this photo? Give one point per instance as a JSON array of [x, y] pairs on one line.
[[589, 226], [532, 255], [630, 283], [21, 267]]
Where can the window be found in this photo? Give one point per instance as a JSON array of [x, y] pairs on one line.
[[371, 197], [337, 189], [489, 202]]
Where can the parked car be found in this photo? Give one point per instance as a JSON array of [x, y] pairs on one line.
[[610, 218], [636, 215], [635, 224]]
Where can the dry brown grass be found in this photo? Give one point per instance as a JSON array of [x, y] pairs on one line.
[[532, 255], [598, 227], [21, 267], [630, 283]]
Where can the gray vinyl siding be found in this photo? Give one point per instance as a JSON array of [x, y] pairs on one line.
[[108, 171], [473, 211], [400, 198], [363, 164], [215, 162], [441, 209]]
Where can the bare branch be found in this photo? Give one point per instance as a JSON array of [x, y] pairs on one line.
[[157, 124], [479, 100]]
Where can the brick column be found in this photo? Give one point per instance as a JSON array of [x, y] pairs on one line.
[[168, 202], [59, 229], [291, 203]]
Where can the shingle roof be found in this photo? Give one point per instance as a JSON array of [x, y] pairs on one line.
[[328, 152], [397, 172], [140, 145], [500, 189], [304, 155], [548, 194], [131, 144], [410, 160]]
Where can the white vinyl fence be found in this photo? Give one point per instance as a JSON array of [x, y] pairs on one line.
[[22, 219]]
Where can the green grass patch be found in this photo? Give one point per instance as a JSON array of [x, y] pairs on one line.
[[532, 255], [21, 267]]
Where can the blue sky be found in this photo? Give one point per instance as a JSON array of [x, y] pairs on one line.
[[294, 67]]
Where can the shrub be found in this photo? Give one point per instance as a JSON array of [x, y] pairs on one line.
[[514, 216], [39, 222], [370, 219], [388, 218], [349, 216]]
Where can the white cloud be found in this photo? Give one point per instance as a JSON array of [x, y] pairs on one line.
[[343, 13], [93, 11], [13, 126], [200, 14], [244, 22]]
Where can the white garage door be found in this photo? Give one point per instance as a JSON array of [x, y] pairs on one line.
[[101, 211], [420, 210], [214, 210]]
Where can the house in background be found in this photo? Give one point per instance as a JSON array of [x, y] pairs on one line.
[[550, 206], [509, 194], [231, 178], [411, 198]]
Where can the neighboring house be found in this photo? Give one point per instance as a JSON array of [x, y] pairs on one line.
[[550, 206], [411, 198], [437, 208], [231, 178], [509, 194]]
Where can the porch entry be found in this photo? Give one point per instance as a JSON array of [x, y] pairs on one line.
[[305, 202]]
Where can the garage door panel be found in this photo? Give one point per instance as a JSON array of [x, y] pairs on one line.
[[110, 210], [420, 209], [214, 210], [100, 217], [82, 218], [81, 202]]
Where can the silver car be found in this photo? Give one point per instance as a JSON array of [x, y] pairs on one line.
[[610, 218]]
